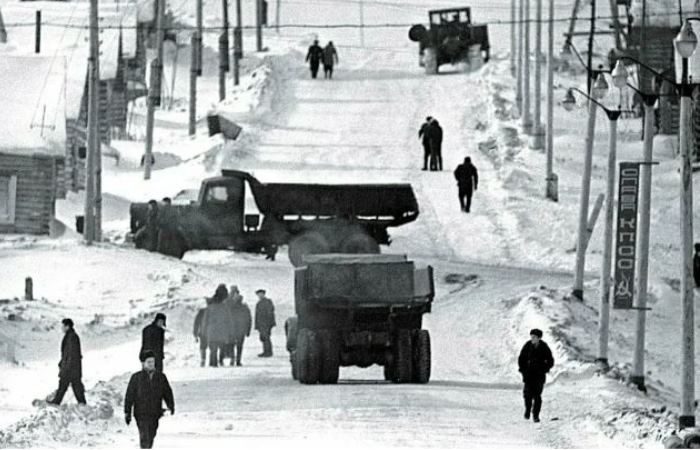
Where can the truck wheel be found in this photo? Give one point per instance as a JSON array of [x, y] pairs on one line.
[[330, 357], [308, 357], [293, 363], [290, 331], [421, 356], [308, 243], [430, 60], [359, 243], [388, 372], [404, 357]]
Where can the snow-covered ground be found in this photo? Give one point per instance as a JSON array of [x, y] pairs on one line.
[[501, 270]]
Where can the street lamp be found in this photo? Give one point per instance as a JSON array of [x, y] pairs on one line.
[[685, 43]]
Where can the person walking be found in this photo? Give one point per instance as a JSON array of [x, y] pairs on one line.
[[313, 57], [153, 338], [218, 326], [242, 322], [534, 362], [200, 335], [264, 322], [467, 182], [435, 145], [70, 368], [145, 394], [330, 57], [424, 136]]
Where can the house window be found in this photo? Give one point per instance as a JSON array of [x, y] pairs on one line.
[[8, 195]]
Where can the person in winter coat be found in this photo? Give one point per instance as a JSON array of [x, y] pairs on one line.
[[218, 326], [330, 57], [467, 182], [534, 362], [242, 323], [147, 236], [313, 57], [70, 368], [153, 338], [424, 135], [199, 334], [144, 398], [696, 265], [435, 134], [264, 322]]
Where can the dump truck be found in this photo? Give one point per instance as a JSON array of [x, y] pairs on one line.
[[237, 211], [450, 39], [360, 310]]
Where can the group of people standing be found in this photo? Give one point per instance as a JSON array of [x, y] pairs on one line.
[[430, 134], [226, 321], [317, 55]]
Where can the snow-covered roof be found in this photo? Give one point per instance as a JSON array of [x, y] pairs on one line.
[[31, 89]]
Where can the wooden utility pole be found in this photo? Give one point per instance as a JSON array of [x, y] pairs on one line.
[[551, 189], [174, 76], [258, 24], [277, 16], [37, 32], [199, 34], [223, 51], [590, 47], [3, 31], [192, 129], [237, 45], [154, 94], [92, 127]]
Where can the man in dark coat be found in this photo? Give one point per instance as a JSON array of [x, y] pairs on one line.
[[313, 57], [153, 338], [264, 322], [70, 368], [242, 322], [435, 145], [330, 58], [467, 182], [696, 265], [147, 236], [145, 394], [424, 135], [200, 334], [218, 326], [534, 362]]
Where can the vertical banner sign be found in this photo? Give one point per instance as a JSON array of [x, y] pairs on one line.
[[626, 240]]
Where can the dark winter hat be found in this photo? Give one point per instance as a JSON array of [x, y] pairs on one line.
[[147, 354], [429, 118], [153, 202], [160, 316], [67, 322], [697, 247], [167, 200], [536, 332], [260, 291]]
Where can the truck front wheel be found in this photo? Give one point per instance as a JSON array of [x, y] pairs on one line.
[[307, 357], [403, 357], [421, 356], [309, 243], [330, 356]]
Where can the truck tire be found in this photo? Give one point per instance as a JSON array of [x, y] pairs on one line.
[[404, 357], [308, 357], [430, 60], [293, 363], [330, 357], [308, 243], [359, 243], [290, 331], [421, 356]]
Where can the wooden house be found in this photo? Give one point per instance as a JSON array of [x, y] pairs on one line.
[[32, 137]]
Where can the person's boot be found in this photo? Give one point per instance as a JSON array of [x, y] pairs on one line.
[[202, 363], [527, 414], [535, 419]]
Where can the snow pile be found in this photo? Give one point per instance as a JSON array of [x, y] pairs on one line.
[[69, 424]]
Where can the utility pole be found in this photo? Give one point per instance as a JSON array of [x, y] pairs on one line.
[[237, 45], [551, 180], [537, 132], [37, 32], [616, 23], [519, 84], [92, 126], [277, 16], [154, 94], [258, 25], [199, 35], [3, 31], [362, 23], [589, 65], [192, 124], [512, 37], [174, 76], [526, 119], [223, 51]]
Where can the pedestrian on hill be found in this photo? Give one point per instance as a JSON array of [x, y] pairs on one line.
[[424, 136], [264, 322], [218, 326], [70, 368], [435, 133], [330, 57], [147, 236], [313, 57], [144, 398], [467, 182], [200, 335], [242, 322], [534, 362], [696, 265], [153, 338]]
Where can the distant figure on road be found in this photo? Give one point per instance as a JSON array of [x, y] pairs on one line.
[[435, 133], [242, 322], [264, 322], [424, 135], [330, 57], [696, 265], [313, 57], [145, 394], [200, 334], [467, 182], [70, 368], [153, 338], [218, 326], [534, 362]]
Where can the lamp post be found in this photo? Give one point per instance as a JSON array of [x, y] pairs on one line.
[[551, 180], [685, 43], [537, 143], [519, 84], [525, 117]]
